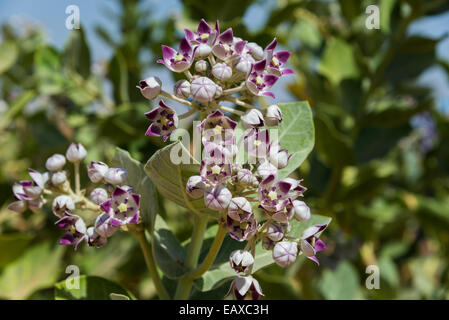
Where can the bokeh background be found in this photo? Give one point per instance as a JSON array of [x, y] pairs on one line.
[[380, 167]]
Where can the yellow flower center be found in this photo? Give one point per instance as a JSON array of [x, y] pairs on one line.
[[204, 36], [216, 169], [164, 121], [217, 129], [226, 47], [122, 207], [275, 62], [257, 143], [259, 80], [272, 195], [178, 58]]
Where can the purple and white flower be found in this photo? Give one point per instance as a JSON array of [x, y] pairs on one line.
[[203, 89], [96, 171], [245, 287], [123, 207], [273, 116], [258, 82], [273, 195], [240, 209], [62, 204], [55, 163], [309, 242], [178, 61], [253, 118], [116, 175], [165, 121], [75, 227], [241, 230]]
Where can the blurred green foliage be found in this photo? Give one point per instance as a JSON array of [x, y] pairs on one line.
[[384, 181]]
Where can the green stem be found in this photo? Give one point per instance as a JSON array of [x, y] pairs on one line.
[[211, 255], [193, 253], [151, 265]]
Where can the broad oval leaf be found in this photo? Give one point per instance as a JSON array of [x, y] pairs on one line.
[[8, 55], [142, 185], [168, 252], [90, 288], [35, 269], [296, 134], [171, 178]]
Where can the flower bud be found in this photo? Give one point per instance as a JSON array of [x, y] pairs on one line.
[[61, 204], [201, 66], [203, 89], [103, 226], [31, 189], [278, 157], [58, 178], [241, 261], [244, 177], [96, 171], [252, 119], [182, 89], [275, 232], [116, 175], [76, 152], [273, 116], [265, 169], [55, 162], [285, 253], [217, 198], [195, 187], [255, 50], [267, 243], [240, 209], [243, 65], [35, 205], [98, 195], [300, 210], [203, 50], [18, 206], [222, 71], [150, 87]]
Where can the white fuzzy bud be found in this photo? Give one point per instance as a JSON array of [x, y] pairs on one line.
[[116, 175], [55, 163], [201, 66], [285, 253], [195, 187], [98, 195], [76, 153], [222, 71], [58, 178], [182, 89]]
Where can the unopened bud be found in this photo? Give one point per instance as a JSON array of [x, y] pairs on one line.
[[96, 171], [241, 261], [116, 175], [195, 187], [273, 116], [222, 71], [58, 178], [201, 66], [150, 87], [55, 162], [182, 89], [76, 152], [285, 253], [301, 210], [98, 195]]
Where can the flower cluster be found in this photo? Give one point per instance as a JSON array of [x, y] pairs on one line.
[[92, 220], [239, 189], [220, 67], [217, 65]]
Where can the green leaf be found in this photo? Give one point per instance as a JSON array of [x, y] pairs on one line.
[[8, 55], [90, 288], [36, 269], [338, 61], [221, 272], [386, 7], [12, 246], [48, 67], [76, 55], [142, 185], [296, 134], [340, 284], [168, 252], [170, 178]]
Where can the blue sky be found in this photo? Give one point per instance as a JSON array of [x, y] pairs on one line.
[[51, 15]]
